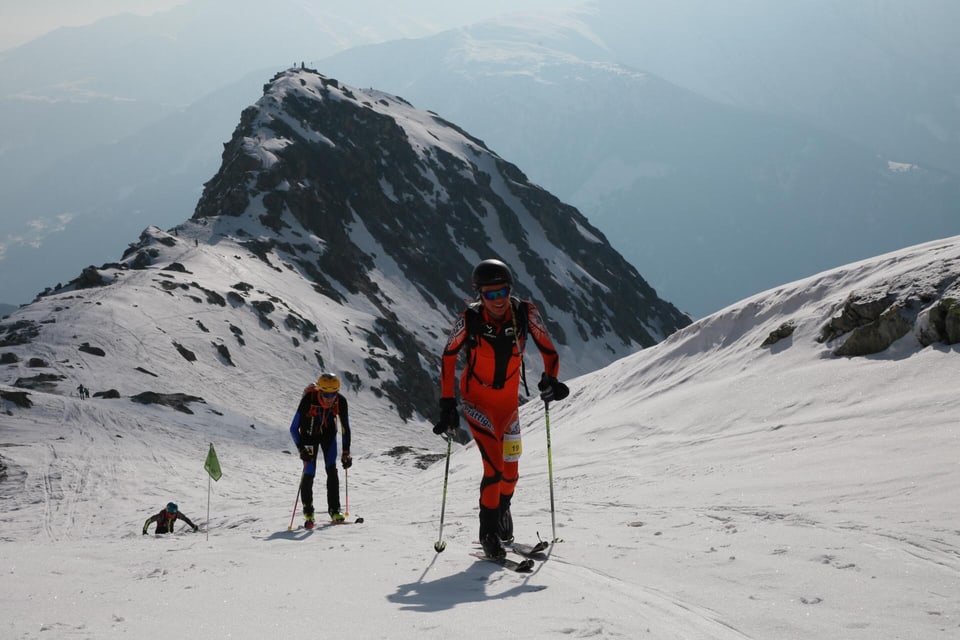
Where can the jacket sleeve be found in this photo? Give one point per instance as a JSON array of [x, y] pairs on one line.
[[295, 429], [538, 331], [343, 412], [448, 364], [183, 517], [295, 423], [146, 523]]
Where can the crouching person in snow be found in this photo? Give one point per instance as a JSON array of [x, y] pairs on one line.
[[166, 519], [314, 432]]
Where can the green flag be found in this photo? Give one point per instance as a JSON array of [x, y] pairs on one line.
[[212, 465]]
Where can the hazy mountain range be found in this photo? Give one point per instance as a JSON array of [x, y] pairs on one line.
[[756, 172]]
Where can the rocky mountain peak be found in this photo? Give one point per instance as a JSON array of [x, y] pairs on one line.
[[341, 231]]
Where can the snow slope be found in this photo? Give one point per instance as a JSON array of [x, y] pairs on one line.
[[704, 488]]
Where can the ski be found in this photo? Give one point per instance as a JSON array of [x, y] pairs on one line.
[[331, 523], [336, 523], [524, 566], [529, 550]]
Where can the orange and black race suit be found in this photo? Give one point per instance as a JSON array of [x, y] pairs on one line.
[[490, 385]]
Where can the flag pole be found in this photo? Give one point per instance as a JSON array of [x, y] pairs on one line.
[[209, 482]]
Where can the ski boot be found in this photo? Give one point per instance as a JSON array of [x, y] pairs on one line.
[[505, 520], [492, 548]]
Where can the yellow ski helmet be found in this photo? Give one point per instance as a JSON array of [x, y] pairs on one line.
[[328, 383]]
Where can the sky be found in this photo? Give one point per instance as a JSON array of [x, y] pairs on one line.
[[705, 488], [21, 21], [24, 21]]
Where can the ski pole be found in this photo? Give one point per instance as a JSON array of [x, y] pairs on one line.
[[440, 545], [346, 490], [294, 514], [553, 517]]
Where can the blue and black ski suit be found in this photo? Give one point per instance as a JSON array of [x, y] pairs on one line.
[[314, 430]]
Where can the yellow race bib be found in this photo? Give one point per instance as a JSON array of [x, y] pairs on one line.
[[512, 447]]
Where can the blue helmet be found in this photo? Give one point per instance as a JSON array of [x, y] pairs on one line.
[[172, 507]]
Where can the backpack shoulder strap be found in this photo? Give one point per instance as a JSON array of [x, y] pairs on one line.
[[520, 324]]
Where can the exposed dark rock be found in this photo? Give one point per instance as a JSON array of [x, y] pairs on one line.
[[422, 459], [264, 309], [238, 334], [90, 278], [20, 332], [857, 311], [41, 382], [212, 296], [37, 363], [176, 266], [224, 353], [878, 335], [19, 398], [9, 358], [149, 373], [178, 401], [785, 330], [108, 394], [94, 351], [943, 323], [303, 326], [188, 355]]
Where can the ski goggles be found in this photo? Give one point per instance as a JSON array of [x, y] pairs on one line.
[[496, 294]]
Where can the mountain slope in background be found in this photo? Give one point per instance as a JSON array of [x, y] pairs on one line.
[[709, 487], [880, 73], [711, 202], [340, 233], [90, 115]]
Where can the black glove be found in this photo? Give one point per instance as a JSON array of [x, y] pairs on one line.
[[346, 460], [195, 528], [306, 453], [449, 417], [144, 532], [552, 389]]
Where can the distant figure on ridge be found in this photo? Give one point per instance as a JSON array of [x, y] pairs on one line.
[[314, 431], [493, 331], [166, 519]]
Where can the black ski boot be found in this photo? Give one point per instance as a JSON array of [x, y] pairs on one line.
[[505, 521], [492, 548], [489, 540]]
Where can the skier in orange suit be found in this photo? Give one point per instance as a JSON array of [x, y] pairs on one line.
[[493, 331]]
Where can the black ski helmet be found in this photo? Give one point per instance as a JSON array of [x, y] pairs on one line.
[[490, 272]]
